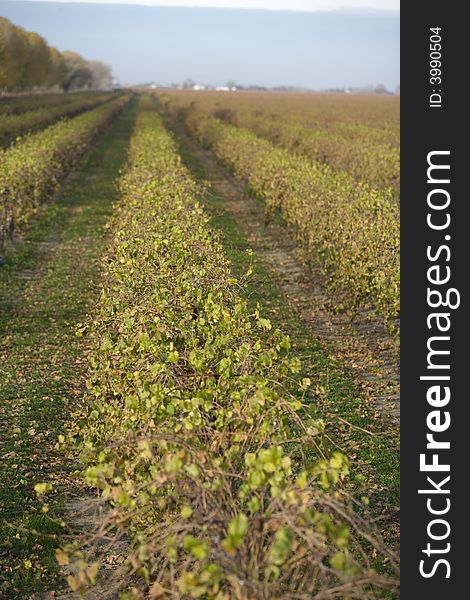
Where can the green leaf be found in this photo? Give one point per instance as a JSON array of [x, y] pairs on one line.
[[196, 547]]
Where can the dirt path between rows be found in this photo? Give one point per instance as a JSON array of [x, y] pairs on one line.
[[362, 345]]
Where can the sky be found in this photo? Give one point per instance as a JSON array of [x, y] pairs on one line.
[[324, 47], [298, 5]]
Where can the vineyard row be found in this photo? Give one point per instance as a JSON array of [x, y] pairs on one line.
[[197, 434], [31, 170], [349, 227], [14, 125]]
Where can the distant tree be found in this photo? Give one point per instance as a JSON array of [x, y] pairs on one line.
[[78, 75], [380, 89], [58, 69], [27, 61], [37, 66], [101, 75], [188, 84], [13, 53]]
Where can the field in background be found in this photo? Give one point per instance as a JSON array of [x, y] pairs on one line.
[[329, 165], [199, 321], [356, 133]]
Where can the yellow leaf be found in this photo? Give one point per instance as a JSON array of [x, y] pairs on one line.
[[61, 557]]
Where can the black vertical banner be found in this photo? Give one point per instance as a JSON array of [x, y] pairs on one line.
[[435, 320]]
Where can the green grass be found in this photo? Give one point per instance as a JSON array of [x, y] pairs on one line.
[[47, 286], [374, 457]]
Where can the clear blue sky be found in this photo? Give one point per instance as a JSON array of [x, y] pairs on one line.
[[315, 44]]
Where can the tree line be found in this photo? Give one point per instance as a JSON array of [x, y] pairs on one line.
[[27, 61]]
